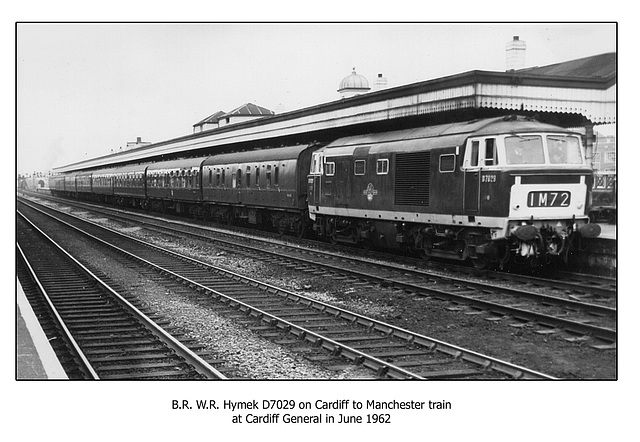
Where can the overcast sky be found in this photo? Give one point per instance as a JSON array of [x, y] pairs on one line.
[[85, 89]]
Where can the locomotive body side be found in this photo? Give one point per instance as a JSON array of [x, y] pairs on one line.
[[458, 191]]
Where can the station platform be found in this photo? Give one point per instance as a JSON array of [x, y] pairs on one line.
[[35, 359]]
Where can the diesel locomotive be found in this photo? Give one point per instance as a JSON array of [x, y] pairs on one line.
[[493, 191]]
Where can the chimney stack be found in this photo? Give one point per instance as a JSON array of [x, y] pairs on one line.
[[516, 50], [381, 83]]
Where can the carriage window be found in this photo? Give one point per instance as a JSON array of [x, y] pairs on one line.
[[210, 177], [248, 176], [382, 167], [359, 167], [268, 177], [276, 175], [524, 150], [258, 176], [224, 181], [490, 152], [330, 168], [447, 163]]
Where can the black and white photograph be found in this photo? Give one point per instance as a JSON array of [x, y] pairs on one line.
[[316, 228]]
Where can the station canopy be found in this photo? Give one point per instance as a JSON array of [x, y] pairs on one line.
[[572, 93]]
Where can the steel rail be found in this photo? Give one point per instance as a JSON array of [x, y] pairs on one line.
[[157, 222], [180, 349], [579, 327], [389, 369], [68, 336]]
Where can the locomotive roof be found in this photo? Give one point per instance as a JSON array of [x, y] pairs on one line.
[[443, 135]]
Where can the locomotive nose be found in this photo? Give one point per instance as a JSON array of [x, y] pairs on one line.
[[590, 230]]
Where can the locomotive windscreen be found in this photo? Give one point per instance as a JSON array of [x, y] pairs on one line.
[[413, 175]]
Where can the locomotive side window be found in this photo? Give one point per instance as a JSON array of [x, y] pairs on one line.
[[447, 163], [490, 152], [330, 168], [382, 167], [359, 167], [524, 150]]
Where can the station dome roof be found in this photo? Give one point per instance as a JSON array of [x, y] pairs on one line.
[[354, 81]]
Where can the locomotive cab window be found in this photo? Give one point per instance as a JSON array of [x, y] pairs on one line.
[[524, 149], [564, 150], [490, 152], [316, 164], [359, 167]]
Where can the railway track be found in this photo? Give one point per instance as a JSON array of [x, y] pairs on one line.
[[104, 335], [391, 352], [583, 306]]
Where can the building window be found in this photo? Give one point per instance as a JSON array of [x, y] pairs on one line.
[[359, 167], [382, 167]]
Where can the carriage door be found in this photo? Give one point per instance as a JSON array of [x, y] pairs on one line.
[[471, 177]]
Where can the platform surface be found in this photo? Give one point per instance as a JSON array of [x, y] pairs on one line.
[[35, 359]]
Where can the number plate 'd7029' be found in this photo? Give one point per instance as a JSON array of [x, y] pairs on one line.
[[549, 199]]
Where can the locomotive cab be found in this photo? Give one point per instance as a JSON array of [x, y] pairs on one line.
[[537, 185]]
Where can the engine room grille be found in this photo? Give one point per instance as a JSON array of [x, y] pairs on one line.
[[413, 174]]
